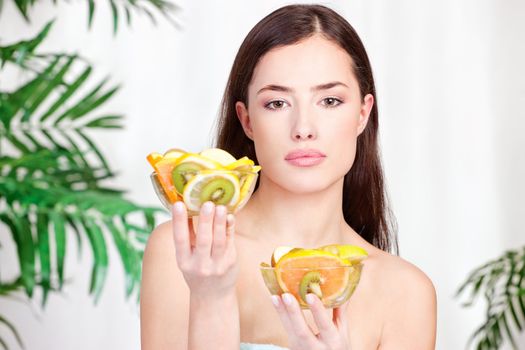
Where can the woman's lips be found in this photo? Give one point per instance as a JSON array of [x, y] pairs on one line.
[[305, 158]]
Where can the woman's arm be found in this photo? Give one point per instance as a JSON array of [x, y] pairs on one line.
[[188, 298], [164, 295]]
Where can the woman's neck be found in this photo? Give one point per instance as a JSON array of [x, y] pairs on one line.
[[286, 218]]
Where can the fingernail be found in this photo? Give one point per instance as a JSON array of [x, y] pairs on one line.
[[221, 210], [207, 207], [178, 207], [287, 298], [275, 300], [310, 299]]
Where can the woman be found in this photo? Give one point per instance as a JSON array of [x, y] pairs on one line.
[[300, 100]]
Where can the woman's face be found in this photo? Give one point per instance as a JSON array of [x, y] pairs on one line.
[[304, 114]]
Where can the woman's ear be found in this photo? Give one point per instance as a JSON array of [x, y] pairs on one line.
[[366, 108], [244, 118]]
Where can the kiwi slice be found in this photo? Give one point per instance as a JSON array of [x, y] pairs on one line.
[[183, 173], [310, 283], [220, 191]]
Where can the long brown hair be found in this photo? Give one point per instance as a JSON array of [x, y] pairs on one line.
[[365, 200]]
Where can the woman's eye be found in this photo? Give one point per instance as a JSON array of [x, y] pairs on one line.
[[277, 104], [331, 101]]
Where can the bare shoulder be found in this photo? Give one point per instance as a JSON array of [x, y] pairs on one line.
[[409, 297], [164, 295]]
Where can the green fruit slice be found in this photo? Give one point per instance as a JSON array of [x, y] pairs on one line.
[[311, 283], [183, 173], [221, 188], [219, 191]]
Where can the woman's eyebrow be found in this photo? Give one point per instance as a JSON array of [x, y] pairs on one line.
[[274, 87], [328, 86]]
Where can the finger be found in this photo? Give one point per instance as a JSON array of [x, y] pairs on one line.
[[230, 226], [181, 236], [219, 231], [230, 230], [327, 329], [204, 235], [192, 225], [283, 314], [298, 323]]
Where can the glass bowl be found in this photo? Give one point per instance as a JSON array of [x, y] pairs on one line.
[[203, 187], [334, 285]]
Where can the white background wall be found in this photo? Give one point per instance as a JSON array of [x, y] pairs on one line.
[[451, 88]]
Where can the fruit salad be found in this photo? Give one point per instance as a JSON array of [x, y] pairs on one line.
[[195, 178], [331, 272]]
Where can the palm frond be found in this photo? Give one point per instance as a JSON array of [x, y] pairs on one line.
[[51, 181], [13, 330], [118, 8], [22, 52], [502, 283]]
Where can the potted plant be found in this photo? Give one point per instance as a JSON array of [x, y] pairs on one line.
[[52, 173]]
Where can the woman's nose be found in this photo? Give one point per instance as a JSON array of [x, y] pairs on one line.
[[303, 135], [303, 127]]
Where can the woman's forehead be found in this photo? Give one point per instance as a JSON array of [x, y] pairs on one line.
[[309, 63]]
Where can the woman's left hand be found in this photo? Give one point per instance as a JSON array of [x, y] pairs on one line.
[[333, 333]]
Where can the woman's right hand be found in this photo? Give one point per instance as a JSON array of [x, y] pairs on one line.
[[207, 258]]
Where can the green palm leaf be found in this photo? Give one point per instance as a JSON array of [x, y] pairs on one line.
[[165, 8], [53, 186], [501, 282]]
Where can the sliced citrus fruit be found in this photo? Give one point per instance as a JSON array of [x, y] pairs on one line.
[[243, 163], [153, 158], [354, 254], [163, 170], [247, 184], [278, 253], [174, 153], [220, 188], [306, 271], [218, 155], [187, 166]]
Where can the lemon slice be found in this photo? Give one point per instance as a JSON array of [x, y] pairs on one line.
[[218, 155], [247, 184], [204, 162], [352, 253], [279, 252], [243, 163], [220, 188], [174, 153]]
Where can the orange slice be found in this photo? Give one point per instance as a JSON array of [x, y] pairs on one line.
[[153, 158], [297, 270], [163, 168]]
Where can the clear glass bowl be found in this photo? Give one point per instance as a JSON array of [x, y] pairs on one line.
[[339, 281], [246, 185]]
